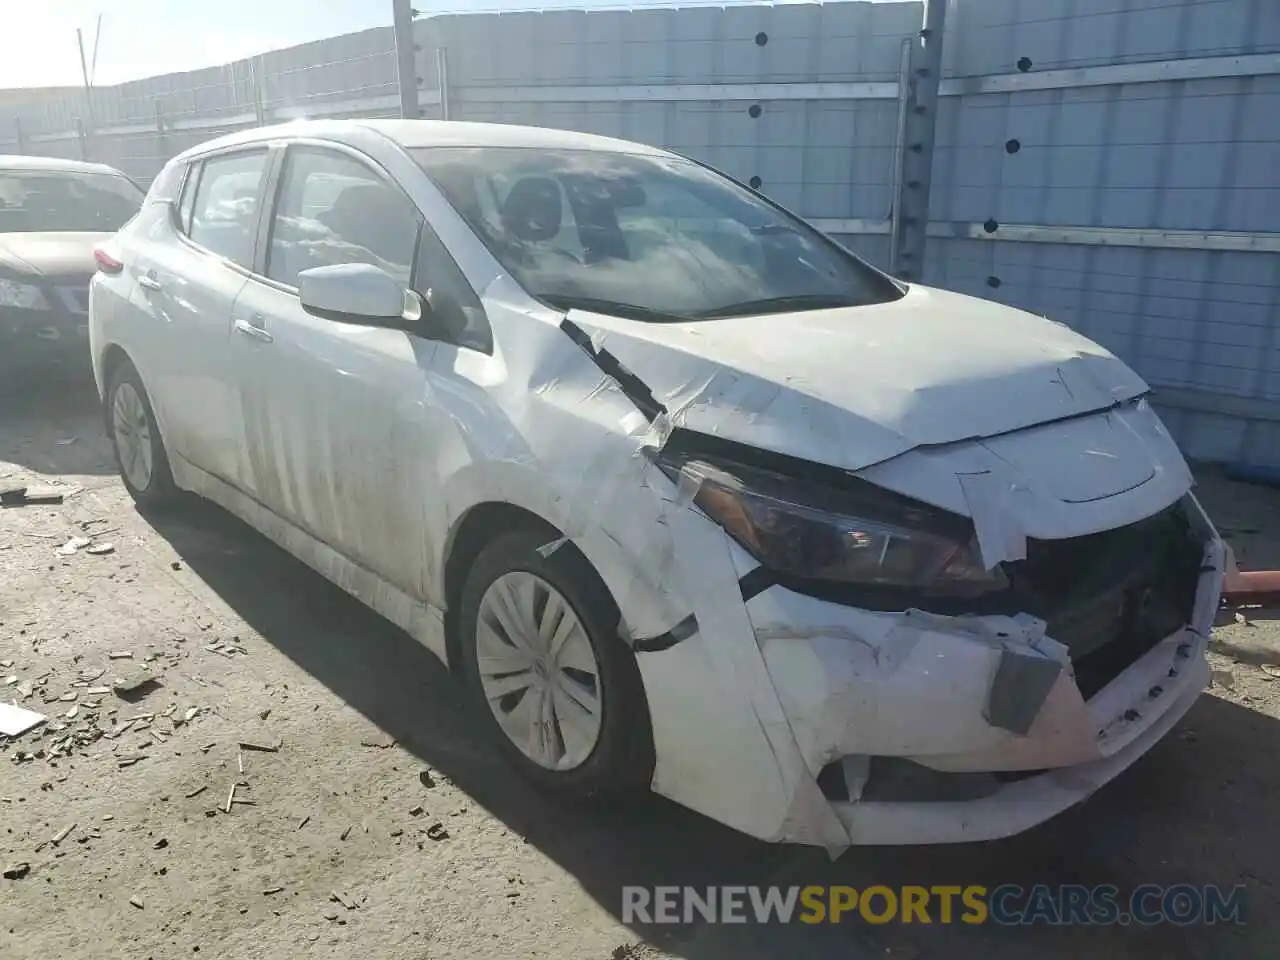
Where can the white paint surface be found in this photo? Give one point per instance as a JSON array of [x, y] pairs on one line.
[[361, 450]]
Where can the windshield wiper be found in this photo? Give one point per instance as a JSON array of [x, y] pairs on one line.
[[802, 301], [615, 308]]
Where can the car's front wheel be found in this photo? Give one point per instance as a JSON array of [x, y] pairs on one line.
[[560, 690], [135, 438]]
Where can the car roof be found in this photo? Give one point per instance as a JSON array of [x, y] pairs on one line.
[[413, 134], [11, 162]]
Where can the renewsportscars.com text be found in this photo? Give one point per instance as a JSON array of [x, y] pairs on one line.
[[1005, 905]]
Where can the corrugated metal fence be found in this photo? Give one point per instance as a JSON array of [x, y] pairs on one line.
[[1114, 164]]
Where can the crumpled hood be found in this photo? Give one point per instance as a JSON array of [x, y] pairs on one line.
[[61, 255], [851, 387]]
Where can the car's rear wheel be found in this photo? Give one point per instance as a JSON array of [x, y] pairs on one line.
[[557, 686], [135, 438]]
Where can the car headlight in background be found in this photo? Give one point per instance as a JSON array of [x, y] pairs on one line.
[[857, 534], [23, 295]]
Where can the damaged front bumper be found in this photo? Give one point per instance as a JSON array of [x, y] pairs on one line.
[[901, 728]]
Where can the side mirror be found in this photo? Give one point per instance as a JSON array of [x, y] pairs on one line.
[[354, 293]]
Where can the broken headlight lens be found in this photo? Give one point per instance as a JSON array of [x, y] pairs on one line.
[[855, 534]]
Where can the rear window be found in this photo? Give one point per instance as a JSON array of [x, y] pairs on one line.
[[59, 200]]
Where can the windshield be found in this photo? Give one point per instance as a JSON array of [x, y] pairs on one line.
[[650, 237], [56, 200]]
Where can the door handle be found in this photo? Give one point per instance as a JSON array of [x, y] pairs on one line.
[[253, 330], [148, 281]]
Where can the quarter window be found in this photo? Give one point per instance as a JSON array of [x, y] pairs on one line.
[[225, 213], [333, 210]]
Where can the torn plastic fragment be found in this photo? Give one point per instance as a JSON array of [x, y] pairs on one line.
[[1019, 689], [547, 549], [999, 536]]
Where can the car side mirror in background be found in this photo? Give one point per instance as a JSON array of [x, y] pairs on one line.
[[354, 293]]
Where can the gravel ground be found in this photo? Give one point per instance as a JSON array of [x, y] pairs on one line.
[[380, 824]]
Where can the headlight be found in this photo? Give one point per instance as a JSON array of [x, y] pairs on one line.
[[857, 534], [15, 294]]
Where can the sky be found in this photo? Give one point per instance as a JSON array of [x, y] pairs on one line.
[[143, 38]]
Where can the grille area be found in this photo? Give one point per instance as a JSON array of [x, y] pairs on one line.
[[1111, 596]]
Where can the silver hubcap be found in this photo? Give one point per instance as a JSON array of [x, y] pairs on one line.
[[538, 671], [132, 434]]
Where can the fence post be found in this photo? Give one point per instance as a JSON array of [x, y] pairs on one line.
[[255, 90], [83, 137], [911, 204], [406, 58], [22, 139], [162, 134], [442, 80]]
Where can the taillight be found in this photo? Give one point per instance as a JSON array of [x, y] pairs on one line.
[[106, 262]]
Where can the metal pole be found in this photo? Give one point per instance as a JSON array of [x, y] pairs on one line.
[[162, 136], [899, 151], [22, 140], [255, 90], [88, 95], [912, 200], [406, 58], [442, 80]]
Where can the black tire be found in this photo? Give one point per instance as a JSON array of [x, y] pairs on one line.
[[623, 757], [160, 489]]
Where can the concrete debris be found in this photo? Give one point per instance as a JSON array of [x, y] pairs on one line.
[[69, 696], [1243, 620], [62, 834], [304, 821], [12, 494], [73, 545], [437, 831], [176, 565], [416, 811], [25, 689], [426, 780], [343, 898], [136, 685], [97, 691], [101, 549], [16, 871], [136, 902], [119, 655], [261, 747], [15, 720], [1270, 670], [231, 798], [345, 833], [10, 681], [272, 890], [122, 762], [1223, 678], [42, 495], [197, 791], [6, 664], [160, 844], [379, 743]]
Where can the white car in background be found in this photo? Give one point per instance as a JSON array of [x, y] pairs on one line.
[[692, 497]]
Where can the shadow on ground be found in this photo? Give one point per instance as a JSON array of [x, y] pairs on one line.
[[51, 422], [1196, 810]]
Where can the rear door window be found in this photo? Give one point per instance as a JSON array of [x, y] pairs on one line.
[[224, 213]]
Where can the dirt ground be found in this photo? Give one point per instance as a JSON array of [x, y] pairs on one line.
[[132, 852]]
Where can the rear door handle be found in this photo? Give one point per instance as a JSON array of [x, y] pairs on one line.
[[148, 281], [253, 330]]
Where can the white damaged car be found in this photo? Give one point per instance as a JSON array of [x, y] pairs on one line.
[[691, 497]]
